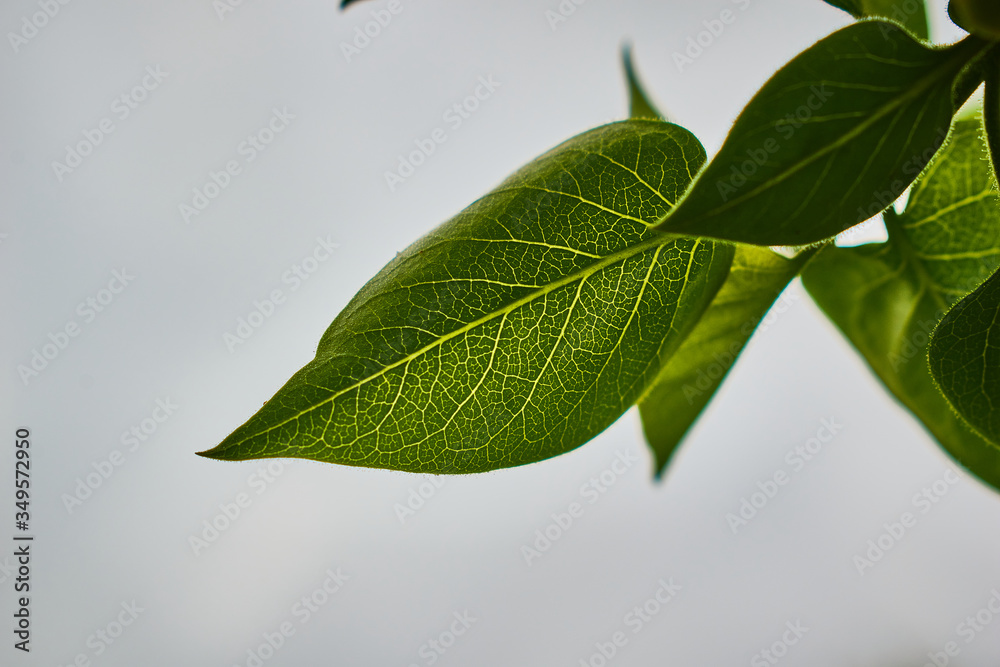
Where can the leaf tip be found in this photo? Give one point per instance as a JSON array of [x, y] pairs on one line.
[[640, 105], [209, 453], [219, 453]]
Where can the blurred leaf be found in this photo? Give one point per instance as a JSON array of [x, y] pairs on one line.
[[833, 138], [685, 385], [853, 7], [888, 298], [640, 106], [516, 331], [912, 14], [979, 17]]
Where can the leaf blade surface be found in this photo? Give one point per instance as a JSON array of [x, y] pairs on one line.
[[888, 298], [689, 380], [831, 139], [514, 332]]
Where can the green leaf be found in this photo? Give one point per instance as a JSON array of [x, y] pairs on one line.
[[912, 14], [640, 106], [686, 384], [516, 331], [979, 17], [888, 298], [855, 8], [965, 358], [834, 137], [991, 107]]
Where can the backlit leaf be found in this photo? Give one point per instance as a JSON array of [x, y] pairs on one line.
[[965, 358], [691, 377], [833, 138], [888, 298], [639, 104], [910, 13], [516, 331]]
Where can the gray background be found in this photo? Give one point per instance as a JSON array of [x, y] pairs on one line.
[[162, 337]]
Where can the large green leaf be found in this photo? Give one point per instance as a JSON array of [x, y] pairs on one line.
[[965, 358], [833, 138], [887, 298], [517, 330], [910, 13], [686, 384]]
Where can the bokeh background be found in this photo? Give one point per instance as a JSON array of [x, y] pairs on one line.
[[224, 67]]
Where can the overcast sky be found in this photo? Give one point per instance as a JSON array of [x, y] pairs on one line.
[[167, 168]]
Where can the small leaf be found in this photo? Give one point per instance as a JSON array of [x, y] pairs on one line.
[[912, 14], [833, 138], [691, 377], [853, 7], [965, 358], [516, 331], [640, 106], [888, 298]]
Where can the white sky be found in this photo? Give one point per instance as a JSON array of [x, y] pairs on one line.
[[162, 338]]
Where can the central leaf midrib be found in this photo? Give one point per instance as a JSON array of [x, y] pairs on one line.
[[568, 279]]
